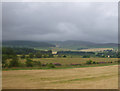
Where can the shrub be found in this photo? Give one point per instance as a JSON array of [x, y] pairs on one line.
[[86, 56], [37, 63], [50, 56], [94, 62], [50, 65], [97, 62], [4, 61], [38, 55], [64, 56], [89, 62], [45, 56], [29, 62], [5, 65], [14, 62], [31, 55], [22, 64]]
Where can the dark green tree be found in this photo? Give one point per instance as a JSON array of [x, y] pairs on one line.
[[50, 55], [86, 56], [4, 60], [64, 56], [14, 62], [31, 55], [89, 62], [37, 63], [7, 53], [45, 56], [29, 62], [38, 55], [50, 65]]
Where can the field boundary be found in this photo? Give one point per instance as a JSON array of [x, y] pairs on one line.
[[83, 66]]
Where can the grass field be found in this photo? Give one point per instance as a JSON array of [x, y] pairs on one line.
[[102, 77], [67, 61]]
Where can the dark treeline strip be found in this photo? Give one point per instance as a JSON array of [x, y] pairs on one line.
[[10, 56], [76, 53], [25, 51], [107, 53]]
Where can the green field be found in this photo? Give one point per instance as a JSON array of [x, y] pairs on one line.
[[65, 61]]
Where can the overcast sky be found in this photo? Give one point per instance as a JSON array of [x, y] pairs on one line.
[[95, 22]]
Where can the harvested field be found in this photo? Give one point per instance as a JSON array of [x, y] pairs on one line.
[[105, 77], [96, 49], [67, 61]]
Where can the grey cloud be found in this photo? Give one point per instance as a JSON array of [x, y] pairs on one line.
[[95, 22]]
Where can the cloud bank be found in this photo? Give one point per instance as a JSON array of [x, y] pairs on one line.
[[95, 22]]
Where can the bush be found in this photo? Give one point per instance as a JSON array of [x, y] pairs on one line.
[[64, 56], [94, 62], [38, 55], [89, 62], [4, 61], [86, 56], [50, 56], [14, 62], [29, 63], [37, 63], [22, 64], [50, 65], [5, 65], [31, 55], [44, 56]]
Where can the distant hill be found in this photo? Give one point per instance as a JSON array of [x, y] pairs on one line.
[[69, 44], [75, 44], [22, 43]]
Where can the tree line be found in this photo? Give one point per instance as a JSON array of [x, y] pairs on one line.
[[10, 56]]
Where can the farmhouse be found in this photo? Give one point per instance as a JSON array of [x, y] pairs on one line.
[[54, 52]]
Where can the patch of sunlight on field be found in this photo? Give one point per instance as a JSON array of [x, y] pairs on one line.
[[96, 49], [105, 77]]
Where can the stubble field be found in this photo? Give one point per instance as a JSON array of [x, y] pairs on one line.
[[104, 77]]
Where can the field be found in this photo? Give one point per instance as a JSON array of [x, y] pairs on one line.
[[96, 49], [96, 76], [55, 49], [104, 77], [67, 61]]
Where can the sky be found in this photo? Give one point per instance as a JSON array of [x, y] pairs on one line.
[[95, 22]]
